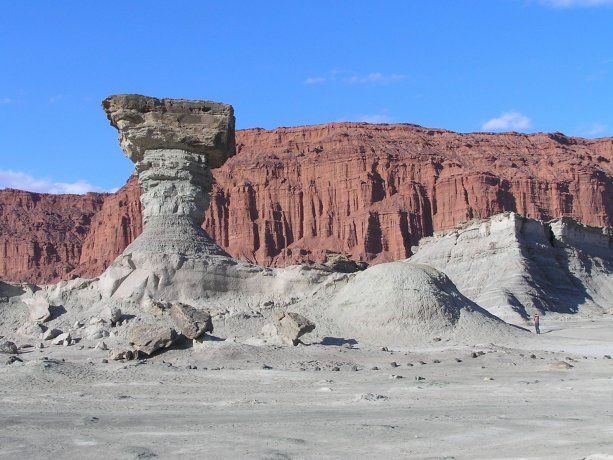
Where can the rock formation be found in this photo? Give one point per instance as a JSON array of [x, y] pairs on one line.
[[372, 191], [280, 201], [172, 275], [173, 143], [42, 236], [515, 267], [404, 302], [173, 259]]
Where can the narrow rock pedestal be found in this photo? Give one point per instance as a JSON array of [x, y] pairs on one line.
[[174, 143]]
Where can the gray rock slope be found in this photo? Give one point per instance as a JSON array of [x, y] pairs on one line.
[[515, 267]]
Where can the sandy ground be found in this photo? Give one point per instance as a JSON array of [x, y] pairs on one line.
[[230, 406]]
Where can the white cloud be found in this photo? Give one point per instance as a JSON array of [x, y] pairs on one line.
[[23, 181], [351, 78], [314, 80], [375, 118], [382, 116], [373, 78], [576, 3], [595, 129], [5, 100], [508, 121]]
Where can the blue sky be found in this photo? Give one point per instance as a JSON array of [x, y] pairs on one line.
[[524, 65]]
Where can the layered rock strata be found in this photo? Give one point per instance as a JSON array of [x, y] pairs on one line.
[[372, 191], [173, 260], [173, 143], [294, 195], [516, 267]]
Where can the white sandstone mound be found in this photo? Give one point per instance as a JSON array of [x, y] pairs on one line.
[[515, 266], [401, 303]]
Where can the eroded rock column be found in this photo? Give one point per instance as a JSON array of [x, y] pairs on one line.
[[174, 143]]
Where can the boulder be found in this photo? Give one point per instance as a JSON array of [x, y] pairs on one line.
[[150, 338], [343, 263], [95, 331], [192, 323], [111, 314], [60, 339], [154, 307], [118, 354], [51, 334], [8, 347], [38, 309], [290, 326]]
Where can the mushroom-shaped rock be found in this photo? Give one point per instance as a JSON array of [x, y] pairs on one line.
[[150, 338], [192, 323], [147, 123], [174, 143]]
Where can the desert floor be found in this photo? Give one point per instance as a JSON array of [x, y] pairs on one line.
[[62, 402]]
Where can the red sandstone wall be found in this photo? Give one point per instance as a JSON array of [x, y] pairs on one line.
[[41, 236], [291, 194]]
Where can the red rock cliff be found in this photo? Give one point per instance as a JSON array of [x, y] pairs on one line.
[[41, 236], [372, 191]]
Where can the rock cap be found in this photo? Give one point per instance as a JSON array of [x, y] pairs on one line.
[[147, 123]]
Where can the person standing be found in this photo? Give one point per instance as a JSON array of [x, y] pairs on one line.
[[537, 324]]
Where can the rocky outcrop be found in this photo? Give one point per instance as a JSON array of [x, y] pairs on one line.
[[296, 194], [401, 301], [372, 191], [174, 261], [42, 236], [174, 144], [516, 267], [118, 222]]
